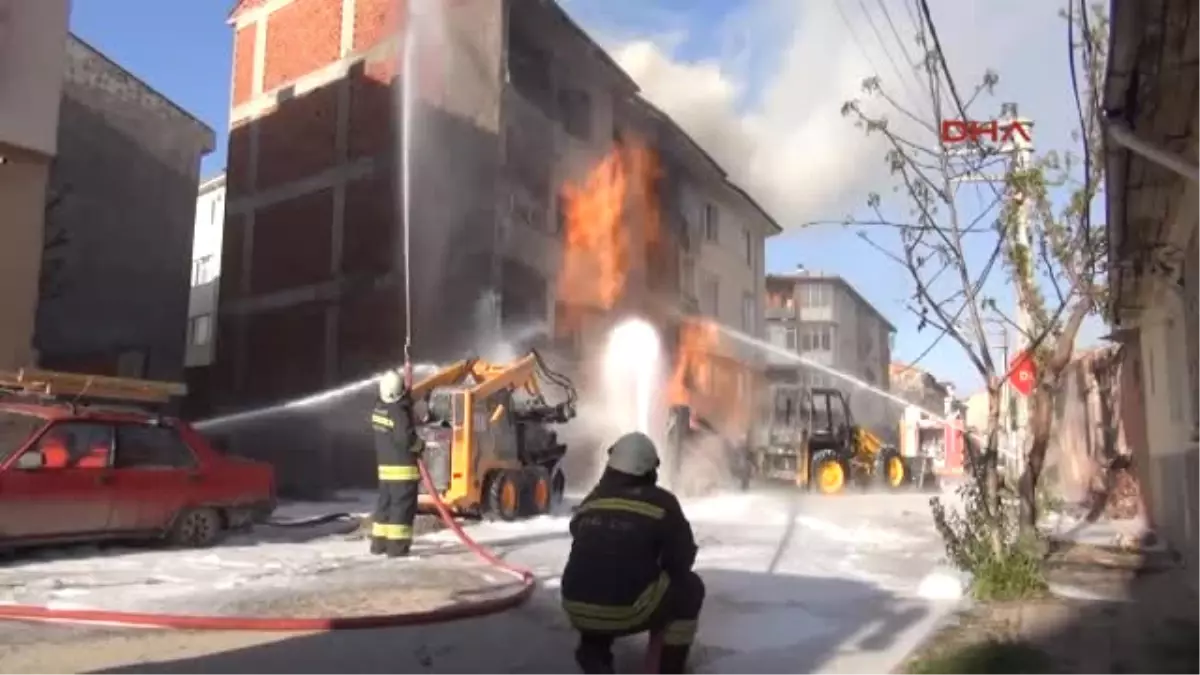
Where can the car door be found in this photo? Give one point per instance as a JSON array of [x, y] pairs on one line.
[[154, 473], [49, 492]]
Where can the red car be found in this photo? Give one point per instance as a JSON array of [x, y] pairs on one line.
[[74, 473]]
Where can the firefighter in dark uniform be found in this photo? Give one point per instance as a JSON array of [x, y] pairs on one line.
[[397, 448], [630, 567]]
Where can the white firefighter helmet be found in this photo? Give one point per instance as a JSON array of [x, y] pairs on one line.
[[634, 454], [391, 386]]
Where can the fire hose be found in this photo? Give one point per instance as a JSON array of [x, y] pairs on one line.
[[304, 624]]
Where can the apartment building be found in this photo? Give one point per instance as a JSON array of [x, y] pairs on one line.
[[114, 291], [717, 264], [824, 319], [312, 250], [30, 89], [94, 244], [206, 272]]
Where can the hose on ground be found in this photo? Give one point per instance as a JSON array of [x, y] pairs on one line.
[[304, 624]]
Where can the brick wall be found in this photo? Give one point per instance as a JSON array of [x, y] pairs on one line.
[[312, 291]]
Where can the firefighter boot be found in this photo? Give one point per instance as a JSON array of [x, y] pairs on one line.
[[673, 659], [594, 654], [398, 549], [378, 545]]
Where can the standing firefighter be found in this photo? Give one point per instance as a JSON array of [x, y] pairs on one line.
[[630, 568], [396, 450]]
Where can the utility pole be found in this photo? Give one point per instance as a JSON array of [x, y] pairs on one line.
[[1014, 408], [1022, 153]]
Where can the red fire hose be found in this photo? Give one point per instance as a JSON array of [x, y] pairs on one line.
[[302, 624]]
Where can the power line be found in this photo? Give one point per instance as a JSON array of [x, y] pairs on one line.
[[886, 52], [909, 60], [854, 36]]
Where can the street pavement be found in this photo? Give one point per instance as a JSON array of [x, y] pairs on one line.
[[796, 583]]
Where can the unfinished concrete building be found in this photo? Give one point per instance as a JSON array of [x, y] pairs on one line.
[[312, 291], [119, 232], [96, 243]]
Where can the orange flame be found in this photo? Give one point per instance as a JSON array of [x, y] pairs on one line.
[[598, 242], [691, 381]]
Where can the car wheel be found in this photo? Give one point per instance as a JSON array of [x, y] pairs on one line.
[[196, 528]]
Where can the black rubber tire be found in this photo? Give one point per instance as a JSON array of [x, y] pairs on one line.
[[196, 528], [499, 505], [533, 477], [821, 459], [886, 456]]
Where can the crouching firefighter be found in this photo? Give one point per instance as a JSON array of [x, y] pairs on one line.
[[397, 448], [630, 567]]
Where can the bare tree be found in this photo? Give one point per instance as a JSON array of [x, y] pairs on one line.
[[55, 240], [950, 255], [1060, 272]]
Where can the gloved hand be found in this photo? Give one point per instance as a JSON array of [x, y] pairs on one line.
[[418, 447]]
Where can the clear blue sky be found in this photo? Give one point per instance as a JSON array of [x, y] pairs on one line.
[[184, 49]]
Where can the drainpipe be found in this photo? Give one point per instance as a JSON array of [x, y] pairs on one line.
[[1168, 160]]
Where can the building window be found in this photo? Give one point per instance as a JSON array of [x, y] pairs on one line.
[[749, 245], [748, 314], [816, 338], [816, 295], [710, 296], [201, 330], [687, 276], [560, 214], [791, 339], [204, 270], [575, 111], [712, 223]]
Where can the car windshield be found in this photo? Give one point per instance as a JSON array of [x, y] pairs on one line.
[[15, 429]]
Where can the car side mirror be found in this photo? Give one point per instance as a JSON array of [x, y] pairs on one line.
[[32, 460]]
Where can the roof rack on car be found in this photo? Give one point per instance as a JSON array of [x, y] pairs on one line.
[[73, 387]]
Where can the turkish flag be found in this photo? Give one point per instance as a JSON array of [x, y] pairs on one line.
[[1022, 374]]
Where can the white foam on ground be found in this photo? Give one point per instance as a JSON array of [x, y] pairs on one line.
[[943, 584]]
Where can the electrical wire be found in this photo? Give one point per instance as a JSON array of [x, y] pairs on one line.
[[904, 82], [854, 36]]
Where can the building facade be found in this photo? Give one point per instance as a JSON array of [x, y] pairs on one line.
[[1153, 253], [32, 35], [312, 255], [206, 272], [919, 387], [826, 321], [114, 290]]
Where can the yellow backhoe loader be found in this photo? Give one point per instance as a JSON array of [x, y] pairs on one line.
[[811, 438], [488, 446]]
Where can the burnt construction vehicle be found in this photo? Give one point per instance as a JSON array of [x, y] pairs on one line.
[[809, 437], [692, 439], [489, 447]]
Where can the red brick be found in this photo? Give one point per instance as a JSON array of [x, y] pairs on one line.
[[370, 333], [301, 37], [233, 242], [375, 20], [285, 352], [369, 227], [291, 243], [371, 108], [238, 179], [243, 64], [298, 138]]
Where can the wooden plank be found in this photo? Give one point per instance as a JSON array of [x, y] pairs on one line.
[[52, 383]]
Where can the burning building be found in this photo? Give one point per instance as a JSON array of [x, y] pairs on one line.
[[545, 197]]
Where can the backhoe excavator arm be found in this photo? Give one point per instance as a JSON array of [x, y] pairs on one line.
[[488, 379]]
